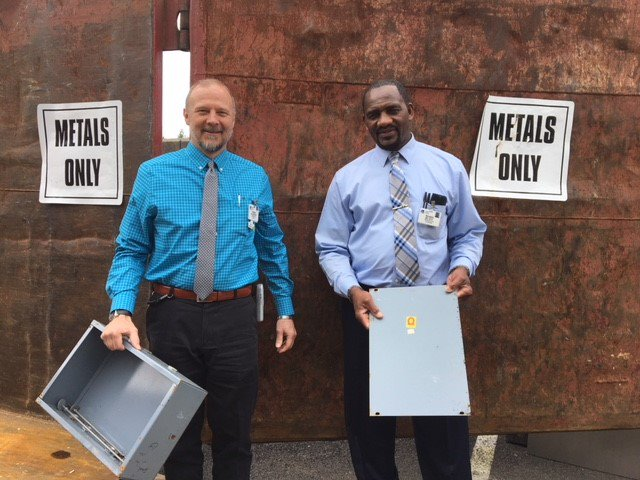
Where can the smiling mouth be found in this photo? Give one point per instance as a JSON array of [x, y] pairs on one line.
[[386, 133]]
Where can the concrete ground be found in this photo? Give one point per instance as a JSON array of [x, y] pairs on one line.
[[493, 459], [35, 448]]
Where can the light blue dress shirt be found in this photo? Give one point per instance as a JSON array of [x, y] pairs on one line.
[[160, 229], [354, 238]]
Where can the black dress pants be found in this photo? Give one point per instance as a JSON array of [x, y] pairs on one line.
[[442, 443], [216, 346]]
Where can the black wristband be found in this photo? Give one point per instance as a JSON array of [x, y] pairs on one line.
[[115, 313]]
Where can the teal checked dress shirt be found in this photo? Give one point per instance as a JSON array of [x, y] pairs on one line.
[[159, 233]]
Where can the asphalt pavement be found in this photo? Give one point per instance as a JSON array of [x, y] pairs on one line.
[[493, 458], [34, 448]]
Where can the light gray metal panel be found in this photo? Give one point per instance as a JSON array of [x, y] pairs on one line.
[[127, 407], [419, 370]]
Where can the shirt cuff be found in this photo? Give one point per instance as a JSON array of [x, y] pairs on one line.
[[284, 306], [123, 301], [343, 286], [462, 262]]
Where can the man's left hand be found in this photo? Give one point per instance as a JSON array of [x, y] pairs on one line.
[[459, 282], [285, 334]]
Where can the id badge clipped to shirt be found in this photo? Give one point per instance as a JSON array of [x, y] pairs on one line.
[[253, 215], [429, 216]]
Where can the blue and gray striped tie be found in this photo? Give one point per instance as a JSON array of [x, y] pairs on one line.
[[407, 269]]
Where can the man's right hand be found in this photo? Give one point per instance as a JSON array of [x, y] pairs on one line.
[[120, 327], [363, 305]]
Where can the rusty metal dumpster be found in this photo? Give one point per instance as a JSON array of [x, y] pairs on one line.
[[551, 333]]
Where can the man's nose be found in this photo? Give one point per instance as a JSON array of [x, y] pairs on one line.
[[213, 118], [384, 119]]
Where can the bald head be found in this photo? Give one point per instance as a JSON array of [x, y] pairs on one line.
[[208, 82]]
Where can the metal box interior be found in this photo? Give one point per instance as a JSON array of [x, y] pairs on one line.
[[127, 407]]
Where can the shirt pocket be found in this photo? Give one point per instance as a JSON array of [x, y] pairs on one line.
[[431, 233]]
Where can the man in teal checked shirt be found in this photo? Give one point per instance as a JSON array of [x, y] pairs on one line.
[[209, 336]]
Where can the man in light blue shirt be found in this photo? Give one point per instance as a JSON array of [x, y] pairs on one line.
[[356, 245], [211, 340]]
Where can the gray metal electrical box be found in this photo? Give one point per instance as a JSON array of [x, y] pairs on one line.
[[416, 354], [127, 407]]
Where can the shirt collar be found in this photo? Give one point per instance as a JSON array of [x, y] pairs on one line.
[[381, 155], [202, 160]]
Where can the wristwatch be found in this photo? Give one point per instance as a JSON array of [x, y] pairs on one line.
[[115, 313], [283, 317]]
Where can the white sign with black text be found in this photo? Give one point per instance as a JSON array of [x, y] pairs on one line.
[[522, 149], [81, 146]]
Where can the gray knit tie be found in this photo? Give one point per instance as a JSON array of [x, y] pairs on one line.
[[205, 266]]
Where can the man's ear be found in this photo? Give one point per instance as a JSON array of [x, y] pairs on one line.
[[410, 110]]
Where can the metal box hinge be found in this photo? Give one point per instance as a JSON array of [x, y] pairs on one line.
[[74, 414]]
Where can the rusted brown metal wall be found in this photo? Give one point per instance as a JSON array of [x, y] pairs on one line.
[[551, 335], [55, 258]]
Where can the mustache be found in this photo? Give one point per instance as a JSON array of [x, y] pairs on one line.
[[386, 129]]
